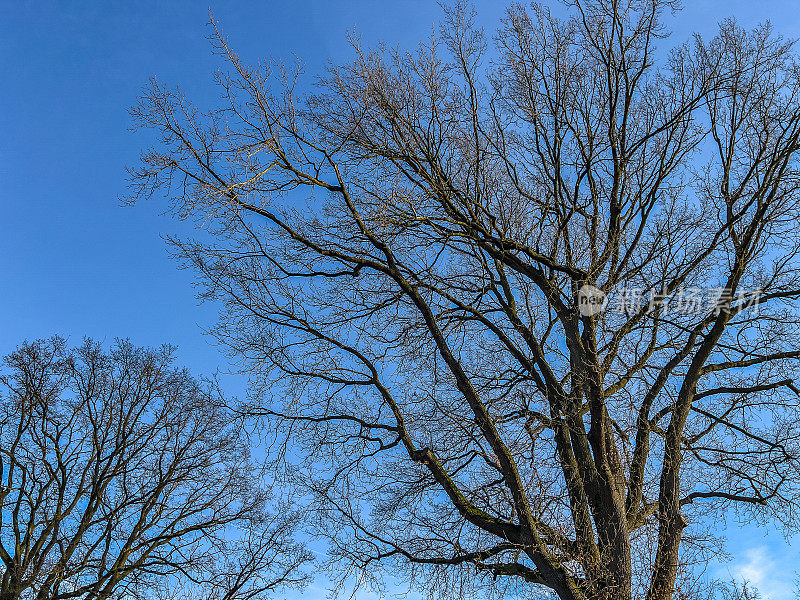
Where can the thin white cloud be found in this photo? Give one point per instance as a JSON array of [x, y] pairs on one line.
[[758, 567]]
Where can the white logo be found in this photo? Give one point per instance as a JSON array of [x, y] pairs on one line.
[[591, 300]]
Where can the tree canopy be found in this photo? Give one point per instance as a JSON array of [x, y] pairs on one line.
[[123, 477], [399, 255]]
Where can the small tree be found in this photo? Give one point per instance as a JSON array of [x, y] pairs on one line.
[[419, 318], [122, 477]]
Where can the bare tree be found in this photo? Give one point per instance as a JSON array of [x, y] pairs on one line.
[[122, 477], [740, 591], [401, 255]]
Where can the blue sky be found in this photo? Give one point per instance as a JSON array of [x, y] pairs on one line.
[[74, 262]]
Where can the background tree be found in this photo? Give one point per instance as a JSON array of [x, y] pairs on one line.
[[415, 324], [122, 477]]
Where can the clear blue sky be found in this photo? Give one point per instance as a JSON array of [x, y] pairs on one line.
[[73, 261]]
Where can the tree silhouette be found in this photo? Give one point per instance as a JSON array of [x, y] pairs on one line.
[[400, 256], [123, 477]]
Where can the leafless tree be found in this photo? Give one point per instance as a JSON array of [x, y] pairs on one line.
[[740, 591], [400, 253], [123, 477]]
